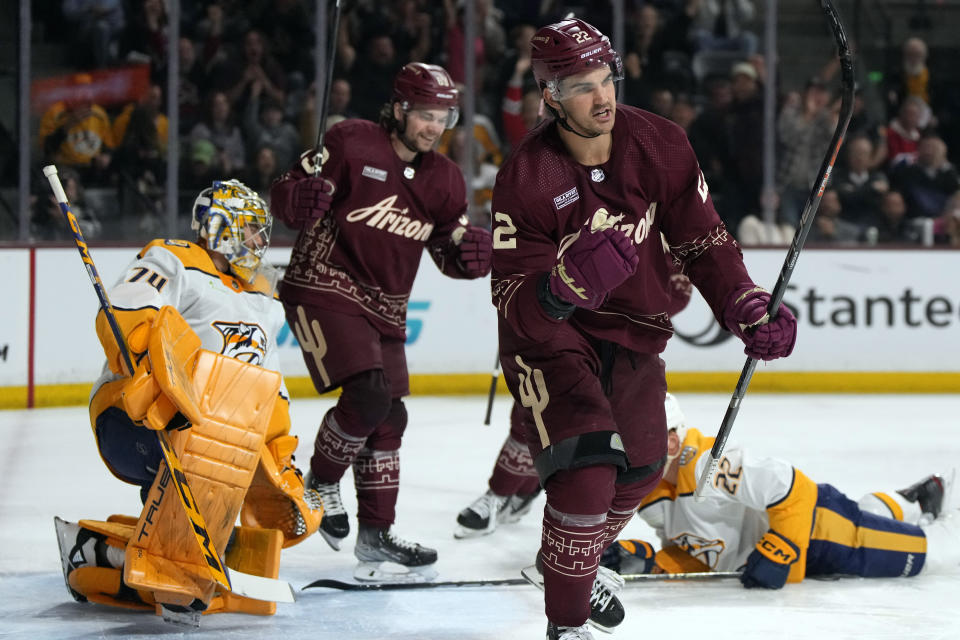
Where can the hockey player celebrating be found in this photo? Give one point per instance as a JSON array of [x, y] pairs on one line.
[[582, 292], [514, 482], [764, 517], [382, 196], [200, 322]]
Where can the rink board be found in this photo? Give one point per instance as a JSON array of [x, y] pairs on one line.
[[869, 320]]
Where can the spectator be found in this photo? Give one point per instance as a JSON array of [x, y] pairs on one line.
[[745, 173], [202, 165], [94, 27], [722, 25], [910, 78], [904, 132], [47, 221], [140, 160], [145, 39], [484, 176], [411, 31], [891, 223], [263, 124], [75, 132], [219, 128], [489, 47], [947, 226], [485, 138], [829, 227], [804, 127], [513, 73], [263, 171], [929, 182], [683, 112], [754, 231], [340, 94], [371, 75], [658, 55], [859, 187], [862, 124], [287, 25], [710, 138], [193, 81], [237, 74]]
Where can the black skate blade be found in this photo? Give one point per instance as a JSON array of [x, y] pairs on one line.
[[181, 618]]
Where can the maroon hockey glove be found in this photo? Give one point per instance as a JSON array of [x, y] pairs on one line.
[[301, 202], [476, 250], [592, 266], [745, 314]]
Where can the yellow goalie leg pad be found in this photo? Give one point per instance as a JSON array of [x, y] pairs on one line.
[[253, 551], [275, 498], [219, 454], [676, 560]]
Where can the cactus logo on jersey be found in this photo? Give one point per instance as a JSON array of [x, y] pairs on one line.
[[243, 341]]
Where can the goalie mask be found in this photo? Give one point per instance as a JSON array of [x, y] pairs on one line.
[[427, 85], [233, 220]]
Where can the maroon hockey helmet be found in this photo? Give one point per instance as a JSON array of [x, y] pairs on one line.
[[570, 47], [427, 85]]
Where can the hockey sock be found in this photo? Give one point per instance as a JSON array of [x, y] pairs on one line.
[[514, 473], [334, 449], [376, 475], [574, 523], [625, 502]]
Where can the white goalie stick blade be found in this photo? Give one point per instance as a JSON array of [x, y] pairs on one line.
[[260, 588]]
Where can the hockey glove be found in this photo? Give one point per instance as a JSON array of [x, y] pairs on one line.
[[592, 266], [769, 564], [745, 314], [628, 556], [476, 250], [302, 202]]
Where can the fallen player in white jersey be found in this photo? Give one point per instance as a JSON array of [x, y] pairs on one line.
[[765, 518], [202, 315]]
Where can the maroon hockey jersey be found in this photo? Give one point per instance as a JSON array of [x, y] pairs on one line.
[[363, 256], [652, 179]]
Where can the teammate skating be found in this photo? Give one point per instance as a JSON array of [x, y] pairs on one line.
[[764, 517], [203, 315], [382, 196], [583, 208]]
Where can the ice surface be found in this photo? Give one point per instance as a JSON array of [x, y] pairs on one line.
[[49, 466]]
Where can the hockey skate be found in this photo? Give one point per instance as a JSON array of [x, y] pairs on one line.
[[517, 506], [386, 557], [76, 546], [933, 494], [480, 518], [606, 611], [334, 526], [568, 633]]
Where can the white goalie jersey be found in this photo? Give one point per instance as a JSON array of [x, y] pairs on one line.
[[747, 497], [238, 319]]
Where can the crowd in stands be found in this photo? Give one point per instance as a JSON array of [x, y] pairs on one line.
[[247, 106]]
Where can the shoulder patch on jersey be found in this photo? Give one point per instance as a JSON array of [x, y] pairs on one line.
[[566, 198], [374, 173]]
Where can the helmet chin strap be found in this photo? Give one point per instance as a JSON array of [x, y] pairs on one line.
[[562, 121]]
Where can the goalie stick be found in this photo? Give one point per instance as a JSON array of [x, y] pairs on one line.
[[506, 582], [799, 237], [210, 554]]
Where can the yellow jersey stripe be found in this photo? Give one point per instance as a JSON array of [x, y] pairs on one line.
[[830, 526]]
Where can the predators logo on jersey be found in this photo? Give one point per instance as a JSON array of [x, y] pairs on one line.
[[243, 341], [706, 551]]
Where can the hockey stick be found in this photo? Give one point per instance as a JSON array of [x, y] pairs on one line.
[[331, 59], [207, 549], [806, 222], [494, 378], [506, 582]]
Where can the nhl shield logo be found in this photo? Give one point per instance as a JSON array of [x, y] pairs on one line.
[[597, 175]]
